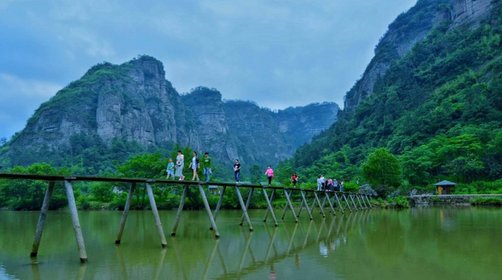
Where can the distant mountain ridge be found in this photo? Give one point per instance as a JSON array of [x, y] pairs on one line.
[[119, 109]]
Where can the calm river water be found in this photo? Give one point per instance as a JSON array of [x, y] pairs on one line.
[[430, 243]]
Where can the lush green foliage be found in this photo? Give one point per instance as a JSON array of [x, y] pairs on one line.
[[28, 194], [382, 170], [439, 109]]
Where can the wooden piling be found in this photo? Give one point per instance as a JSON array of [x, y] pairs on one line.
[[329, 203], [285, 208], [41, 219], [156, 216], [74, 218], [305, 202], [220, 202], [346, 201], [288, 199], [359, 201], [369, 201], [248, 201], [243, 207], [353, 202], [319, 203], [339, 203], [180, 209], [208, 211], [271, 200], [125, 213], [269, 205]]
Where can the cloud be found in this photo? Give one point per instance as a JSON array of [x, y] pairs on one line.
[[18, 100], [277, 53]]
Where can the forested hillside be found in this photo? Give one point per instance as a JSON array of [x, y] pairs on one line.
[[438, 108]]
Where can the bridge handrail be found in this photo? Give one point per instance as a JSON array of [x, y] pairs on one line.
[[54, 178]]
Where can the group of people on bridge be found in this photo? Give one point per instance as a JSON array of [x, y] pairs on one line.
[[174, 170], [329, 184]]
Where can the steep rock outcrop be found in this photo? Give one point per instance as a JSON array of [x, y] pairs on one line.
[[112, 105], [409, 29]]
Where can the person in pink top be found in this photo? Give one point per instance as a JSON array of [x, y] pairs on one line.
[[270, 174]]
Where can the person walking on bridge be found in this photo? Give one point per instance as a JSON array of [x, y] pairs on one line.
[[320, 183], [294, 179], [237, 170], [170, 169], [206, 166], [194, 164], [180, 162], [270, 174]]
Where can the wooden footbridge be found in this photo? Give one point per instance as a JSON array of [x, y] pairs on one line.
[[308, 200]]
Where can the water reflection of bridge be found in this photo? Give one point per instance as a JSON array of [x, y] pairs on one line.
[[297, 200], [324, 234]]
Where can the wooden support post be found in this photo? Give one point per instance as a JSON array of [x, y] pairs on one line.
[[285, 209], [125, 213], [305, 202], [220, 202], [180, 209], [243, 206], [329, 203], [346, 201], [156, 216], [363, 198], [369, 201], [288, 199], [359, 201], [269, 205], [271, 200], [339, 203], [209, 213], [248, 201], [74, 218], [41, 219], [353, 202], [319, 203]]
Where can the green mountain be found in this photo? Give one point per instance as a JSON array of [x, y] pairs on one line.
[[432, 95], [115, 111]]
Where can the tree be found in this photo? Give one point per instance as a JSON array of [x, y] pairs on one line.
[[382, 170]]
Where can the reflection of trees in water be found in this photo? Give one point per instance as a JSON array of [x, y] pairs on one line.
[[385, 239]]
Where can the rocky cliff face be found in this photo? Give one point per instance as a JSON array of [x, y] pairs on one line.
[[133, 102], [409, 29]]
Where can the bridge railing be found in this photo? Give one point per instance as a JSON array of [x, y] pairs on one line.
[[333, 200]]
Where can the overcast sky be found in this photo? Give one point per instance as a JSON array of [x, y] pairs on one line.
[[276, 53]]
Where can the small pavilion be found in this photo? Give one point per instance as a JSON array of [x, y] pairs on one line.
[[445, 187]]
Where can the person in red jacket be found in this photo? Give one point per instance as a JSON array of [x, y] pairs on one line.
[[294, 179]]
